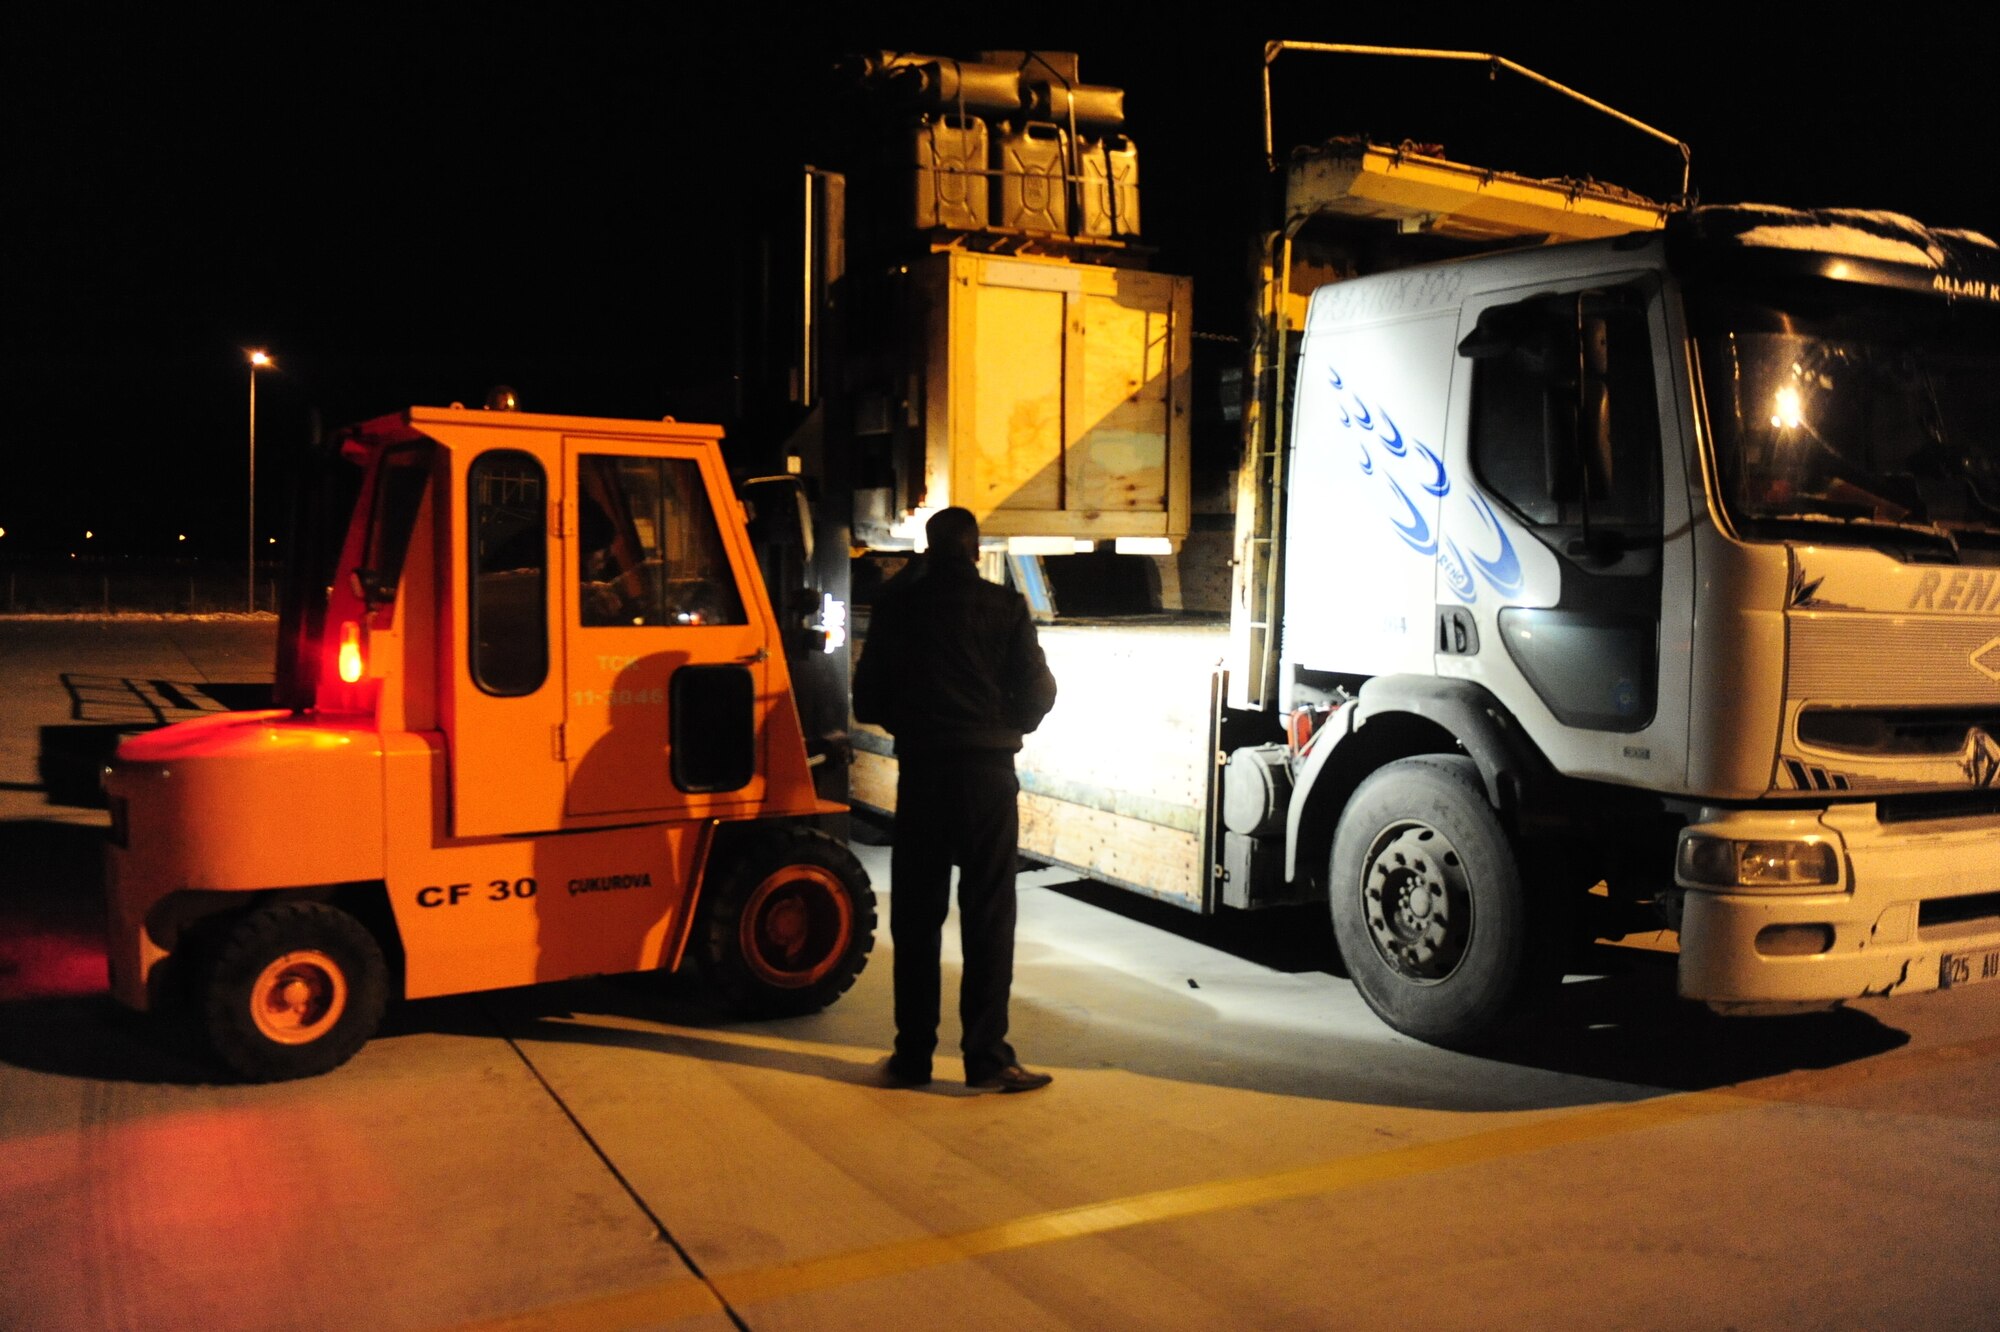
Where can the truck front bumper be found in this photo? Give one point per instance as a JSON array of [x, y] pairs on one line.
[[1918, 908]]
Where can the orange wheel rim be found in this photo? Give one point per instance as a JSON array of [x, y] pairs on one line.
[[299, 997], [796, 927]]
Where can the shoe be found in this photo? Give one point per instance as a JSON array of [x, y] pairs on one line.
[[1012, 1078], [898, 1071]]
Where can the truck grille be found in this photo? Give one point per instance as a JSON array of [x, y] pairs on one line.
[[1895, 731], [1939, 911], [1945, 805], [1921, 661]]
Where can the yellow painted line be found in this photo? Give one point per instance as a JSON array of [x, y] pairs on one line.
[[684, 1296], [1220, 1195]]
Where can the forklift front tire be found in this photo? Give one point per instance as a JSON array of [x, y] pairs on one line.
[[293, 990], [788, 924]]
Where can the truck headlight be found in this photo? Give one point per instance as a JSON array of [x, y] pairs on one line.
[[1726, 862]]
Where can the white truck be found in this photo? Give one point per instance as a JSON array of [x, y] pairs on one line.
[[1594, 562], [1670, 561]]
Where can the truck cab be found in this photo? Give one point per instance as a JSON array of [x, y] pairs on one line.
[[535, 721], [1683, 577]]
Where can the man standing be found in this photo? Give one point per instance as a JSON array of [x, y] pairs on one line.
[[952, 670]]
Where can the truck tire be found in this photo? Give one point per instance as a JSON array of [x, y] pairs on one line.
[[1428, 906], [787, 924], [292, 990]]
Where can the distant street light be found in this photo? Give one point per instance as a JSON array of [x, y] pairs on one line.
[[259, 360]]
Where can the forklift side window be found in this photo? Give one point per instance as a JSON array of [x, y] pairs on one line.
[[713, 716], [648, 549], [507, 496]]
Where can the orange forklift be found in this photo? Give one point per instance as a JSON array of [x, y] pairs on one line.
[[534, 721]]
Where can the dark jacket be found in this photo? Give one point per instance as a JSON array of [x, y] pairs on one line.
[[951, 664]]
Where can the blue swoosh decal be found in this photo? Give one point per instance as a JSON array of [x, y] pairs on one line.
[[1367, 421], [1440, 483], [1345, 419], [1455, 576], [1394, 442], [1367, 463], [1334, 376], [1503, 571], [1416, 533]]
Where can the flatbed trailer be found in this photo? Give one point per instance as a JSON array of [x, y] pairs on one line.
[[1113, 784]]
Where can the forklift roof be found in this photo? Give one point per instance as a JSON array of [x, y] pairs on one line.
[[440, 422]]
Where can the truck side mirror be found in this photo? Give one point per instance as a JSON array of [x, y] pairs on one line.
[[1500, 329], [1594, 402], [1561, 473]]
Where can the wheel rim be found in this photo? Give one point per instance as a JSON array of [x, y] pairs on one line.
[[796, 926], [299, 997], [1418, 902]]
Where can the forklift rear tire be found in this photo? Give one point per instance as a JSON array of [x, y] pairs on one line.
[[293, 990], [788, 923], [1428, 905]]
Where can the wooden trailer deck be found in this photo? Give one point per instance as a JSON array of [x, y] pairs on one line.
[[1113, 784]]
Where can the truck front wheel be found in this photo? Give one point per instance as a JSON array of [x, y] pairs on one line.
[[788, 924], [1427, 902], [292, 990]]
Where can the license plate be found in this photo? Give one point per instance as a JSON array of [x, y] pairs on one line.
[[1968, 968]]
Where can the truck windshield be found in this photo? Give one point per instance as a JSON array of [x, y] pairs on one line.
[[1846, 414]]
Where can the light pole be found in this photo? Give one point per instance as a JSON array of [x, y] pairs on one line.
[[259, 360]]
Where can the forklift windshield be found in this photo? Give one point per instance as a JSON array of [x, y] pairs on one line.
[[1853, 414], [322, 507], [335, 493]]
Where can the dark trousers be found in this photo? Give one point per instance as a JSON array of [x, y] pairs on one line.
[[955, 809]]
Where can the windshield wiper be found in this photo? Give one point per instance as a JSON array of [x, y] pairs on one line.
[[1942, 535], [1960, 531]]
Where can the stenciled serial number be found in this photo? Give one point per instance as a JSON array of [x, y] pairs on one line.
[[618, 698], [520, 890], [496, 890]]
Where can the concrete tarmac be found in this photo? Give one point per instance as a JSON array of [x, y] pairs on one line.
[[1232, 1140]]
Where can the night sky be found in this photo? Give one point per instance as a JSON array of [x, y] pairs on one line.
[[412, 206]]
